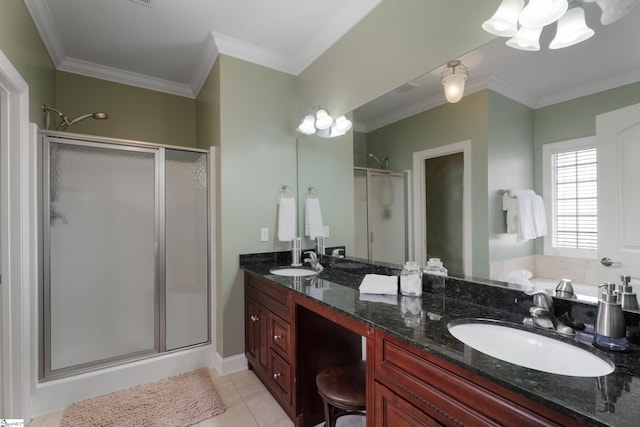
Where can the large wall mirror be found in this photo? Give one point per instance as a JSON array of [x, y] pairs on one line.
[[515, 104]]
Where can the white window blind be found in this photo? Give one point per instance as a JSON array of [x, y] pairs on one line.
[[575, 190]]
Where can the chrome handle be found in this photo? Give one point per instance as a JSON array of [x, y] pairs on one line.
[[277, 337], [607, 262], [254, 318], [276, 375]]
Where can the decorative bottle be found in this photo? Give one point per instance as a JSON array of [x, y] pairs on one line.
[[435, 275], [411, 280]]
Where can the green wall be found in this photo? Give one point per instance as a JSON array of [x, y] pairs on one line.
[[21, 44], [258, 154], [134, 113], [510, 166]]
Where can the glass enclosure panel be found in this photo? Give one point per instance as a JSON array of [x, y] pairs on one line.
[[186, 248], [360, 200], [102, 268], [387, 212]]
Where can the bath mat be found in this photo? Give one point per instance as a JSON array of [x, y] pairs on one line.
[[182, 400]]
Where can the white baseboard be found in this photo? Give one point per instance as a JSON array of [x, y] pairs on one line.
[[229, 365]]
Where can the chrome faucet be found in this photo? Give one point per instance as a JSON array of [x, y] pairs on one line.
[[542, 314], [313, 261]]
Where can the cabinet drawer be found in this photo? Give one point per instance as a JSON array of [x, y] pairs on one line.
[[280, 336], [390, 410], [273, 297], [281, 374], [449, 397]]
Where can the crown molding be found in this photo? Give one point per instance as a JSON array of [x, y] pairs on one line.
[[116, 75], [206, 59], [254, 54]]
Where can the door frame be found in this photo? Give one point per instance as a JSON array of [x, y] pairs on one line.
[[419, 200], [18, 254]]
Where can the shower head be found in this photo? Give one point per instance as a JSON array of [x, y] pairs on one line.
[[384, 163], [65, 122]]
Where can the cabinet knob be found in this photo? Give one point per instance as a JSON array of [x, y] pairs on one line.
[[277, 337], [276, 375], [254, 318]]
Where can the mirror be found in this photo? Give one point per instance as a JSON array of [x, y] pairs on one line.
[[520, 99]]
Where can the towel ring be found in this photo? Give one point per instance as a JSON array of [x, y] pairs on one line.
[[312, 192], [285, 191]]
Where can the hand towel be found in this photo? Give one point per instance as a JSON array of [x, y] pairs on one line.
[[539, 216], [313, 218], [286, 219], [379, 284], [526, 226]]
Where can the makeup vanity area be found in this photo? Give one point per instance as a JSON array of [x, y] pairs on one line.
[[417, 374]]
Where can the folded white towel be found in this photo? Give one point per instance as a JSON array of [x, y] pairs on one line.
[[526, 226], [286, 219], [386, 299], [313, 218], [379, 284]]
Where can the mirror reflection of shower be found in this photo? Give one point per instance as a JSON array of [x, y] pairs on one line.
[[384, 163], [64, 120]]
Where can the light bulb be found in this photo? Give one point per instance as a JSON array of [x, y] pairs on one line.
[[504, 22], [323, 119]]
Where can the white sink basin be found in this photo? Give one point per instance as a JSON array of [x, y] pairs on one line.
[[292, 271], [529, 349]]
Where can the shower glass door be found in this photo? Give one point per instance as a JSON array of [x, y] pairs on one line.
[[186, 249], [125, 249], [102, 270]]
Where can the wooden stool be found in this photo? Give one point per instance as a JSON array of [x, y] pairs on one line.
[[343, 391]]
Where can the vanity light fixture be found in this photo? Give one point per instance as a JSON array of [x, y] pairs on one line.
[[319, 122], [453, 78], [524, 24]]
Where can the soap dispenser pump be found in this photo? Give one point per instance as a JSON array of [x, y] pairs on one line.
[[610, 329]]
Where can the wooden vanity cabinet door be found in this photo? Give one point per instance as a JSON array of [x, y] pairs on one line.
[[256, 338]]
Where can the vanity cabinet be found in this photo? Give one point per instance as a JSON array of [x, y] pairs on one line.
[[412, 388], [268, 337]]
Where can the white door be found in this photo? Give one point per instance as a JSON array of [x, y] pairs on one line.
[[618, 142]]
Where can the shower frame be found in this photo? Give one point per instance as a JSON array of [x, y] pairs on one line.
[[44, 233]]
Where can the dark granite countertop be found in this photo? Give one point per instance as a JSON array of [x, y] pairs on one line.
[[612, 400]]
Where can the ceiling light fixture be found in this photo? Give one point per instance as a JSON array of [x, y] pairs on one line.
[[453, 78], [319, 122], [524, 24]]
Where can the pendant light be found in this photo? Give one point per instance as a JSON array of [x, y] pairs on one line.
[[524, 24], [526, 39], [539, 13], [572, 29], [504, 22], [453, 79]]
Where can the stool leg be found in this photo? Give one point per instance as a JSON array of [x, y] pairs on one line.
[[329, 421]]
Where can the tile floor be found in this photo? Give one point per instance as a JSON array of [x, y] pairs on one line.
[[248, 404]]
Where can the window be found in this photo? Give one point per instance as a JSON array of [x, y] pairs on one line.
[[571, 194]]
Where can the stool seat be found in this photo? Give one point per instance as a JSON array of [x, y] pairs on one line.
[[343, 387]]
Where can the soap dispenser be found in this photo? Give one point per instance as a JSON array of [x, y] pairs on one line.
[[610, 328], [627, 297]]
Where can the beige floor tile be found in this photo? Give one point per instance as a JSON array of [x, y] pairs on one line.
[[283, 423], [229, 395], [351, 421], [51, 419], [248, 386], [265, 409], [236, 416], [217, 379]]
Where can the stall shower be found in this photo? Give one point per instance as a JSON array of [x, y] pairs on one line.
[[381, 214], [125, 248]]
